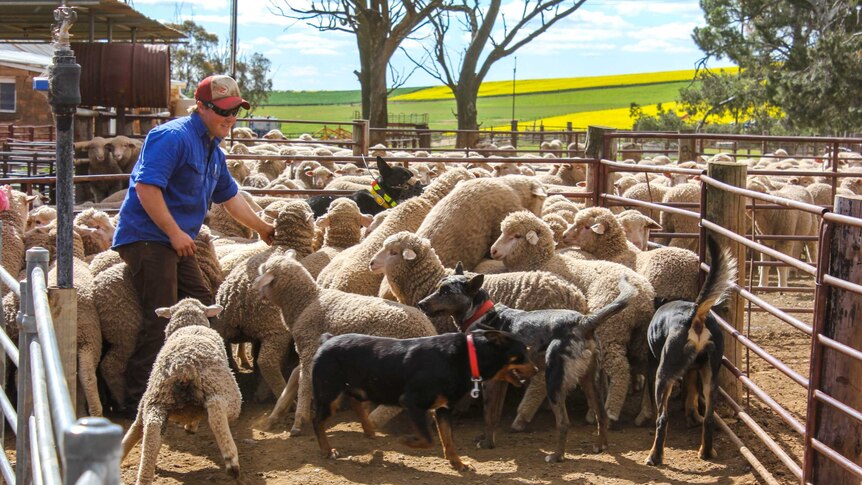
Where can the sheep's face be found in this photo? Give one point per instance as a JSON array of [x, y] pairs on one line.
[[504, 169], [525, 241], [590, 230], [396, 249], [637, 228], [509, 241], [275, 135], [96, 149], [40, 217], [853, 184], [187, 312], [320, 177], [276, 268], [121, 147]]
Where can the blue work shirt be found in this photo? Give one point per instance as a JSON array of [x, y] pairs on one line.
[[179, 157]]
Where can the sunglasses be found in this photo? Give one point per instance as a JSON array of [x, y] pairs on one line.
[[222, 112]]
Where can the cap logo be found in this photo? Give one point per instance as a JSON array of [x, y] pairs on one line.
[[221, 90]]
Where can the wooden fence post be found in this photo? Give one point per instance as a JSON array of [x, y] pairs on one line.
[[597, 149], [515, 133], [687, 148], [840, 375], [64, 313], [728, 211], [360, 137]]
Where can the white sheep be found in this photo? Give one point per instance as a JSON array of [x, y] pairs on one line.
[[190, 379]]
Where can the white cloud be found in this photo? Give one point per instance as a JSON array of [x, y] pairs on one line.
[[635, 8], [314, 43], [303, 71], [205, 4], [258, 41], [598, 19], [670, 31], [656, 46]]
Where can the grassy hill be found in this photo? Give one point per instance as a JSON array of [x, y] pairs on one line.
[[548, 101]]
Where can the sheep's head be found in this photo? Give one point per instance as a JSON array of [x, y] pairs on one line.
[[95, 148], [275, 135], [97, 227], [239, 148], [558, 227], [293, 220], [502, 169], [320, 177], [573, 171], [279, 267], [40, 216], [400, 248], [531, 192], [305, 167], [525, 240], [122, 147], [637, 227], [593, 229], [238, 169], [347, 169], [187, 312]]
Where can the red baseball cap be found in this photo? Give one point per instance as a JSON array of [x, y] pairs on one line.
[[222, 91]]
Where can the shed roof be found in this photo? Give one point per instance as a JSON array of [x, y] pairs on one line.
[[20, 59], [98, 20]]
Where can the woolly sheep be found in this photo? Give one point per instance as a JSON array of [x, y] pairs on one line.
[[526, 244], [342, 228], [348, 271], [647, 192], [101, 236], [14, 220], [637, 227], [309, 311], [248, 319], [684, 193], [100, 161], [672, 272], [190, 379], [104, 260], [125, 151], [40, 216], [462, 226], [221, 223]]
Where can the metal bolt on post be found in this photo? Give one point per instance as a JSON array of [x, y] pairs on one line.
[[93, 445]]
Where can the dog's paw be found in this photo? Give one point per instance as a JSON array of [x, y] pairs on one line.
[[653, 460], [711, 454], [484, 443], [554, 458], [333, 454], [460, 466]]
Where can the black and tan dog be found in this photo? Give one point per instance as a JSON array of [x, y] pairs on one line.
[[561, 340], [685, 341], [419, 374]]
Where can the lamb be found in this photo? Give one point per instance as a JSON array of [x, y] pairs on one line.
[[245, 317], [637, 227], [526, 243], [647, 192], [190, 378], [101, 161], [221, 223], [40, 216], [462, 226], [822, 193], [255, 181], [348, 271], [104, 260], [309, 311], [125, 151], [96, 230], [238, 169], [342, 225], [684, 193], [120, 313], [672, 272]]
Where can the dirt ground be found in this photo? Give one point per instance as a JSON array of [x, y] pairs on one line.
[[275, 457]]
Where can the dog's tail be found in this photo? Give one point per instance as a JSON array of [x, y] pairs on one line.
[[627, 291], [715, 289]]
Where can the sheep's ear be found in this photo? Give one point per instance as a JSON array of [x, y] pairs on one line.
[[567, 166], [539, 190], [475, 284], [408, 254], [653, 225], [164, 312], [532, 238], [366, 219], [309, 217], [581, 184], [31, 198], [213, 310], [84, 230], [339, 172], [322, 221], [598, 228], [459, 268], [290, 253], [309, 173], [263, 280]]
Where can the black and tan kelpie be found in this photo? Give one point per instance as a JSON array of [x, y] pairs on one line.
[[394, 185], [419, 374], [685, 341], [561, 340]]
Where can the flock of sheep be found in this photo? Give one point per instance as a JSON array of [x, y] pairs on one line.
[[341, 273]]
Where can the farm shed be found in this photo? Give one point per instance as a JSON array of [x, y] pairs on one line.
[[19, 103]]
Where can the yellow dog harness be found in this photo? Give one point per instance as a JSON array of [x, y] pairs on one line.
[[382, 197]]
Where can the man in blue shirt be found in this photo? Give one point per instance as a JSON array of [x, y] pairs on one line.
[[180, 171]]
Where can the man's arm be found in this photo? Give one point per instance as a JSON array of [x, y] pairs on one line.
[[238, 208], [153, 203]]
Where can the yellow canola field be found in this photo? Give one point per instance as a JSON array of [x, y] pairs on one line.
[[527, 86], [615, 118]]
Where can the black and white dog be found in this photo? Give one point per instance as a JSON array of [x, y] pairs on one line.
[[394, 185], [562, 340], [685, 341]]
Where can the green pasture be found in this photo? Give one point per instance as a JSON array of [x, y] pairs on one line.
[[286, 98], [493, 111]]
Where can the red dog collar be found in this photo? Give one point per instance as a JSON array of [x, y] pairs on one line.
[[488, 305], [474, 366]]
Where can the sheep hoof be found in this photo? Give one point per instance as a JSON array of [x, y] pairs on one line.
[[484, 443], [598, 448], [519, 425], [232, 467], [590, 417], [642, 419], [294, 432], [614, 424], [708, 456], [461, 466], [554, 458], [653, 460]]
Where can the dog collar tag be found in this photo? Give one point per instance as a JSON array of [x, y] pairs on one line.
[[474, 367]]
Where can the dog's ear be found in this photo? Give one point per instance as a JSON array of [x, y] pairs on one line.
[[382, 166], [475, 284], [496, 337], [459, 268]]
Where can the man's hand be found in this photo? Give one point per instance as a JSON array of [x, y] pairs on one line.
[[266, 231], [183, 244]]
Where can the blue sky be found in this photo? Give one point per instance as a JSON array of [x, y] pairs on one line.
[[602, 37]]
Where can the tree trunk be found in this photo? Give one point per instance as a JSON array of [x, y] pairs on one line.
[[378, 115], [465, 100]]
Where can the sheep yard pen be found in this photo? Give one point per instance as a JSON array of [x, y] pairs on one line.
[[788, 378]]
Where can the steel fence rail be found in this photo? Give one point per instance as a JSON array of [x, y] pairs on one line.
[[47, 464]]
